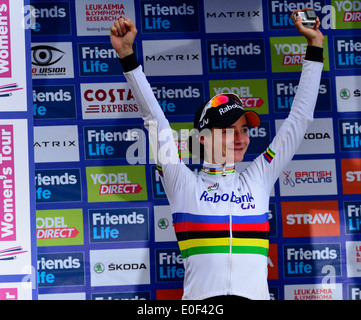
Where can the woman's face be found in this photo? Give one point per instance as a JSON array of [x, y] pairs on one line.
[[227, 145]]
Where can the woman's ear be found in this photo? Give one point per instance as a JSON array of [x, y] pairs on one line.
[[201, 139]]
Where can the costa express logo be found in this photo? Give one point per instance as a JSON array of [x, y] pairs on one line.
[[5, 40], [288, 53], [98, 59], [236, 55], [61, 269], [51, 18], [169, 265], [7, 184], [279, 12], [253, 92], [351, 176], [310, 219], [160, 16], [284, 92], [59, 227], [352, 211], [350, 134], [61, 185], [347, 52], [116, 183], [348, 14], [310, 260], [115, 225]]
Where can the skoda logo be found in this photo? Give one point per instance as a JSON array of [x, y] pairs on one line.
[[345, 94], [163, 223], [99, 267]]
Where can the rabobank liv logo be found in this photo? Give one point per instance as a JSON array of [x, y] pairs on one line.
[[309, 260], [163, 16]]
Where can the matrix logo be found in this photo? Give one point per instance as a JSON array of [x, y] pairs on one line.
[[279, 12], [236, 55], [5, 40], [350, 134], [253, 92], [352, 211], [288, 53], [118, 183], [161, 16], [59, 227], [169, 265], [114, 225], [348, 14], [311, 260], [310, 219], [347, 52]]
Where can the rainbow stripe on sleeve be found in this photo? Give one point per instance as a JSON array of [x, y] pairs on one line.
[[269, 155], [206, 234]]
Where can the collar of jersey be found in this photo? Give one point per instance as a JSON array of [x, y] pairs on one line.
[[214, 169]]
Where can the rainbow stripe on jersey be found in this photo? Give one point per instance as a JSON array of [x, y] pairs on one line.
[[206, 234]]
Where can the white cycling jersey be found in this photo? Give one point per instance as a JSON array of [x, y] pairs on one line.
[[220, 215]]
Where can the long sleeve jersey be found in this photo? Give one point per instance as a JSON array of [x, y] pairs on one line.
[[220, 215]]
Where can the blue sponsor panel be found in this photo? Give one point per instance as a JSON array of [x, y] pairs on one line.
[[352, 212], [98, 59], [58, 185], [114, 225], [54, 102], [179, 98], [284, 91], [279, 12], [354, 291], [169, 265], [169, 16], [132, 296], [310, 260], [260, 138], [350, 134], [51, 18], [347, 52], [236, 56], [61, 269], [112, 142]]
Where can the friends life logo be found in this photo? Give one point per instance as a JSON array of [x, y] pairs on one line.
[[311, 260], [352, 212], [347, 52], [236, 56], [98, 59], [169, 265], [350, 134], [160, 16]]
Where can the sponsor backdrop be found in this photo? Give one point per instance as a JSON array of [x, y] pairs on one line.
[[17, 202], [104, 228]]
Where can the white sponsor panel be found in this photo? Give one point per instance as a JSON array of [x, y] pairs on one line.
[[15, 246], [319, 138], [15, 291], [56, 144], [348, 93], [163, 224], [309, 177], [119, 267], [108, 101], [52, 60], [353, 257], [63, 296], [314, 292], [172, 57], [13, 93], [94, 17], [233, 16]]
